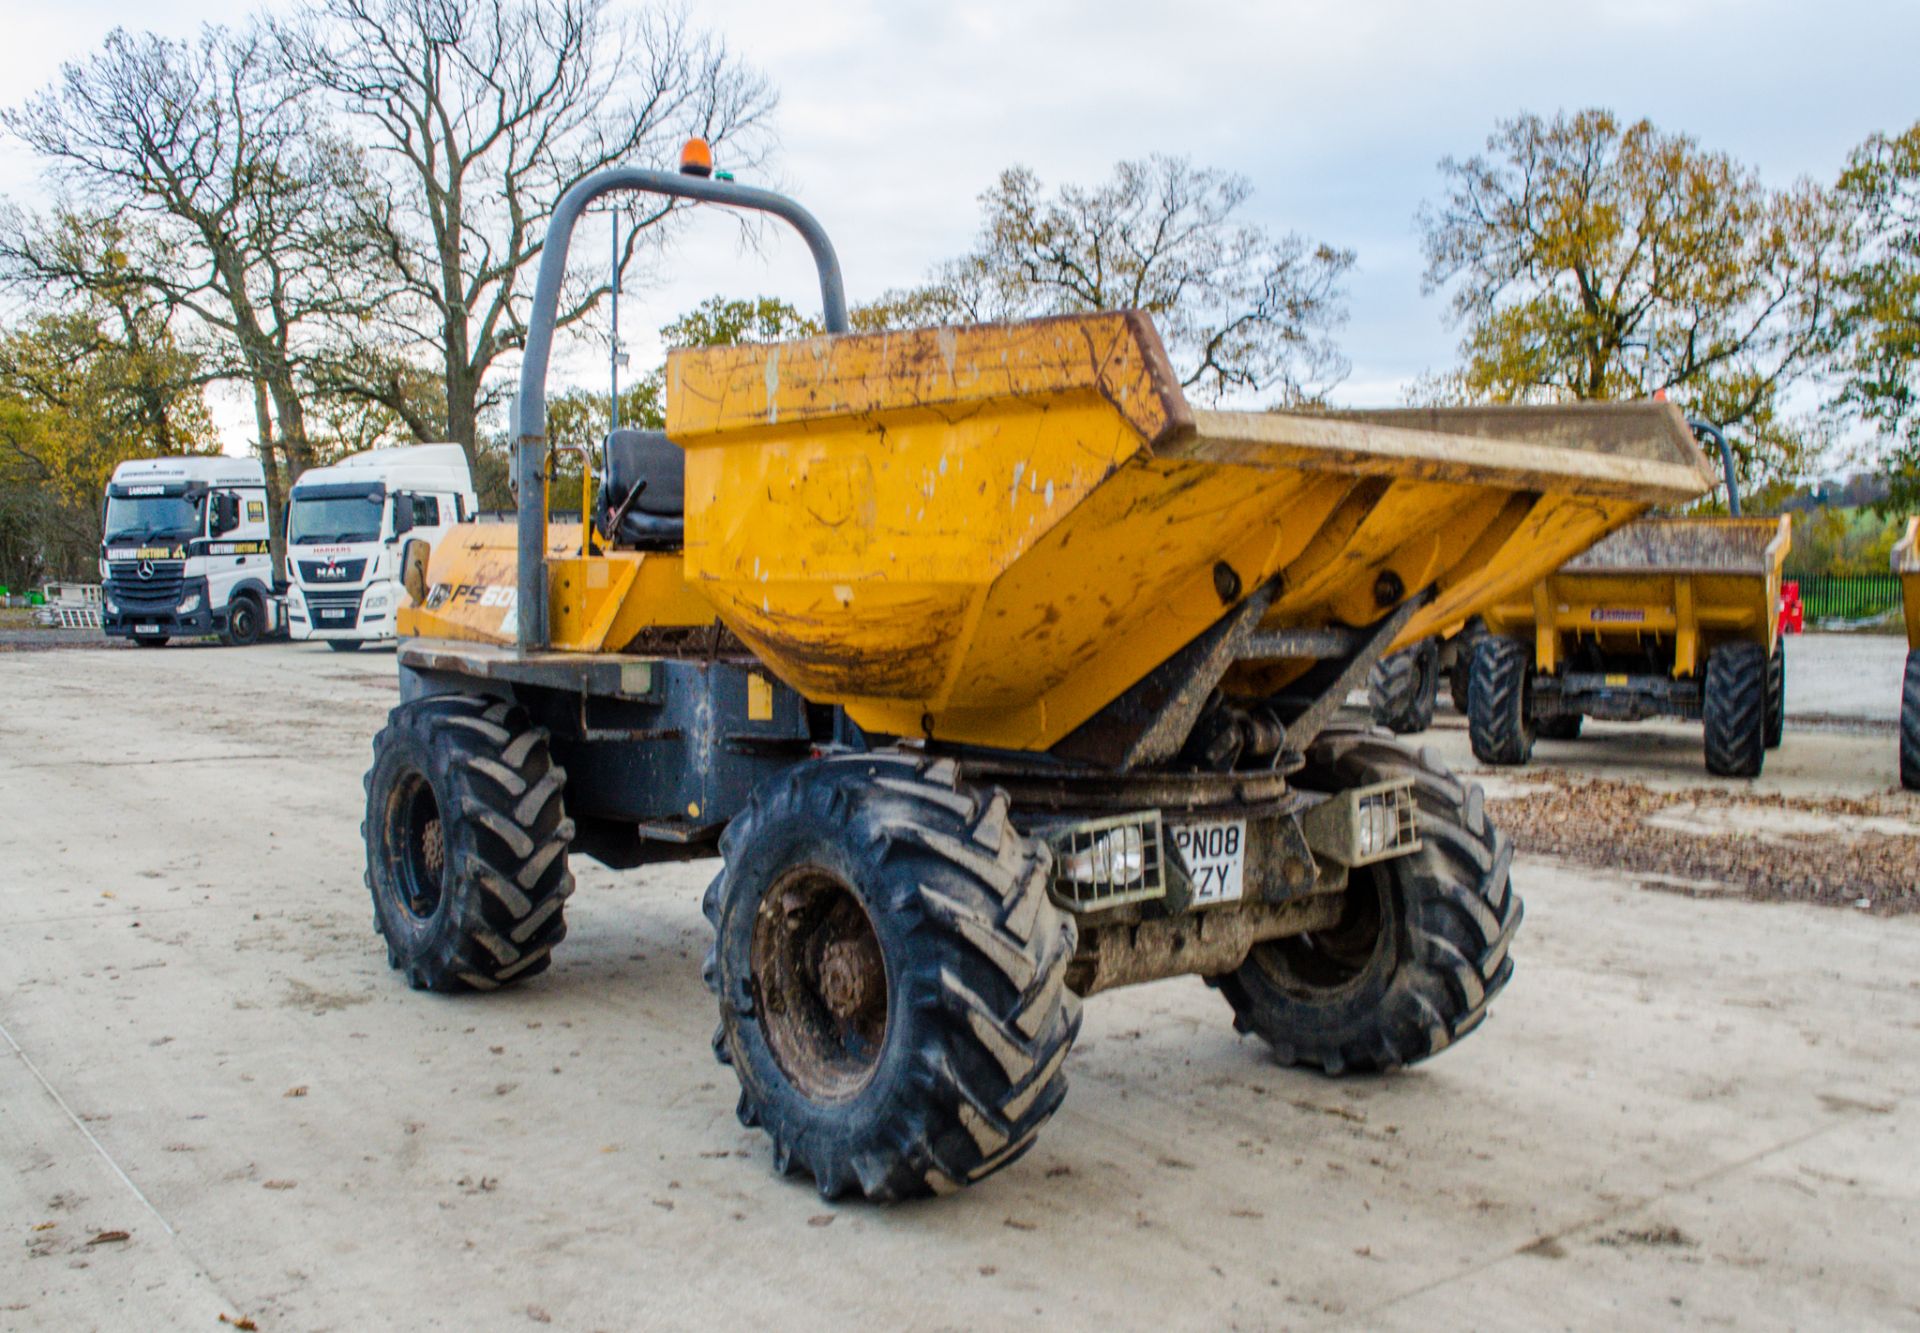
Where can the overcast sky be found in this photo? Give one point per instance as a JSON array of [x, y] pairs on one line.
[[895, 114]]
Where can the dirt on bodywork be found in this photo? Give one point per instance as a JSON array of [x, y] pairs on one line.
[[1861, 852]]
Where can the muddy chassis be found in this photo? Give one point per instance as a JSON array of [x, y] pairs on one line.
[[903, 932]]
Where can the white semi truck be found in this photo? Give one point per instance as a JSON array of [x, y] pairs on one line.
[[184, 552], [347, 527]]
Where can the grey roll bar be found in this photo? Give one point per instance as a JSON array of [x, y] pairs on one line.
[[530, 407], [1719, 437]]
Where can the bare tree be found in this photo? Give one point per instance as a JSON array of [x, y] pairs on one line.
[[225, 196], [478, 116], [1241, 311]]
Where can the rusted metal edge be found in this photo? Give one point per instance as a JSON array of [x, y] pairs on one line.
[[1126, 364]]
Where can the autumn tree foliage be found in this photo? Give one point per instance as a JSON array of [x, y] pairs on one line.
[[1589, 257]]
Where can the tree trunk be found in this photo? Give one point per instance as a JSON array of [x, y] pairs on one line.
[[276, 492]]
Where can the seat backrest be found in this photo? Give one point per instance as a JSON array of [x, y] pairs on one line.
[[635, 456]]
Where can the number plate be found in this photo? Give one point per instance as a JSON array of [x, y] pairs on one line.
[[1215, 855], [333, 615], [146, 629]]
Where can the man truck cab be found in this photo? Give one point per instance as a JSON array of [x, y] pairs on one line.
[[184, 551], [347, 527]]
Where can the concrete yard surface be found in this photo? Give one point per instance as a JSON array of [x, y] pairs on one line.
[[1683, 1112]]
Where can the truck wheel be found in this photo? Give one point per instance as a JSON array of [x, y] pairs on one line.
[[1500, 701], [1777, 696], [891, 976], [1401, 686], [1734, 708], [1460, 649], [1559, 727], [466, 843], [1422, 943], [150, 640], [344, 645], [1910, 724], [243, 622]]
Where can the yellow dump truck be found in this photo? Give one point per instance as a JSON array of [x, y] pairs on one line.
[[999, 675], [1666, 617], [1906, 563]]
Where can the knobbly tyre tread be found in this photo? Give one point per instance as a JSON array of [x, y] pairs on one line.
[[1401, 688], [506, 836], [1499, 723], [1777, 694], [1910, 724], [980, 1019], [1734, 709], [1455, 919]]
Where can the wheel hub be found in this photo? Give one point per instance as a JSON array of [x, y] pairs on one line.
[[821, 980]]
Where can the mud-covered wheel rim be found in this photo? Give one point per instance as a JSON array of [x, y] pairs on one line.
[[1326, 964], [821, 983], [243, 620], [417, 837]]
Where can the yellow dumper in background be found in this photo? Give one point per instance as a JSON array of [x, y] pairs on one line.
[[1906, 563], [1000, 676], [1667, 617]]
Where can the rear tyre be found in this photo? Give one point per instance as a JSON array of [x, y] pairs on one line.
[[1777, 695], [891, 976], [1401, 687], [1559, 727], [1500, 701], [344, 645], [244, 622], [1462, 652], [1910, 724], [1422, 945], [150, 640], [1734, 709], [466, 843]]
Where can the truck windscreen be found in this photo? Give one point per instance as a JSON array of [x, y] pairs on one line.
[[146, 517], [335, 518]]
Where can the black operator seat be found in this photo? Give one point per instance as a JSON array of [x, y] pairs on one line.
[[655, 518]]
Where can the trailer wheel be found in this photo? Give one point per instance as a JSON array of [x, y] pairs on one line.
[[1401, 688], [344, 645], [150, 640], [1500, 701], [1777, 695], [466, 844], [1910, 724], [1422, 945], [243, 621], [1734, 707], [1559, 727], [891, 976]]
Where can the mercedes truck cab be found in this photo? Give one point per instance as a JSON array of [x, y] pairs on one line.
[[184, 551], [347, 527]]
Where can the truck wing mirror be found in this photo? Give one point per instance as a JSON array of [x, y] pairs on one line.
[[402, 513], [226, 512]]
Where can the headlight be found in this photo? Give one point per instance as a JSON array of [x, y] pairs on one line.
[[1117, 857], [113, 607], [1377, 826], [190, 605]]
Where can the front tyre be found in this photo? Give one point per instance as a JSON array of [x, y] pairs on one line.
[[245, 621], [1734, 709], [1777, 695], [891, 976], [1500, 701], [1421, 947], [1401, 688], [466, 844]]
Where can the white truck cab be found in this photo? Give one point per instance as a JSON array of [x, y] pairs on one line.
[[346, 527], [184, 551]]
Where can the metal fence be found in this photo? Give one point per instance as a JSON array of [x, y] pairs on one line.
[[1848, 597]]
